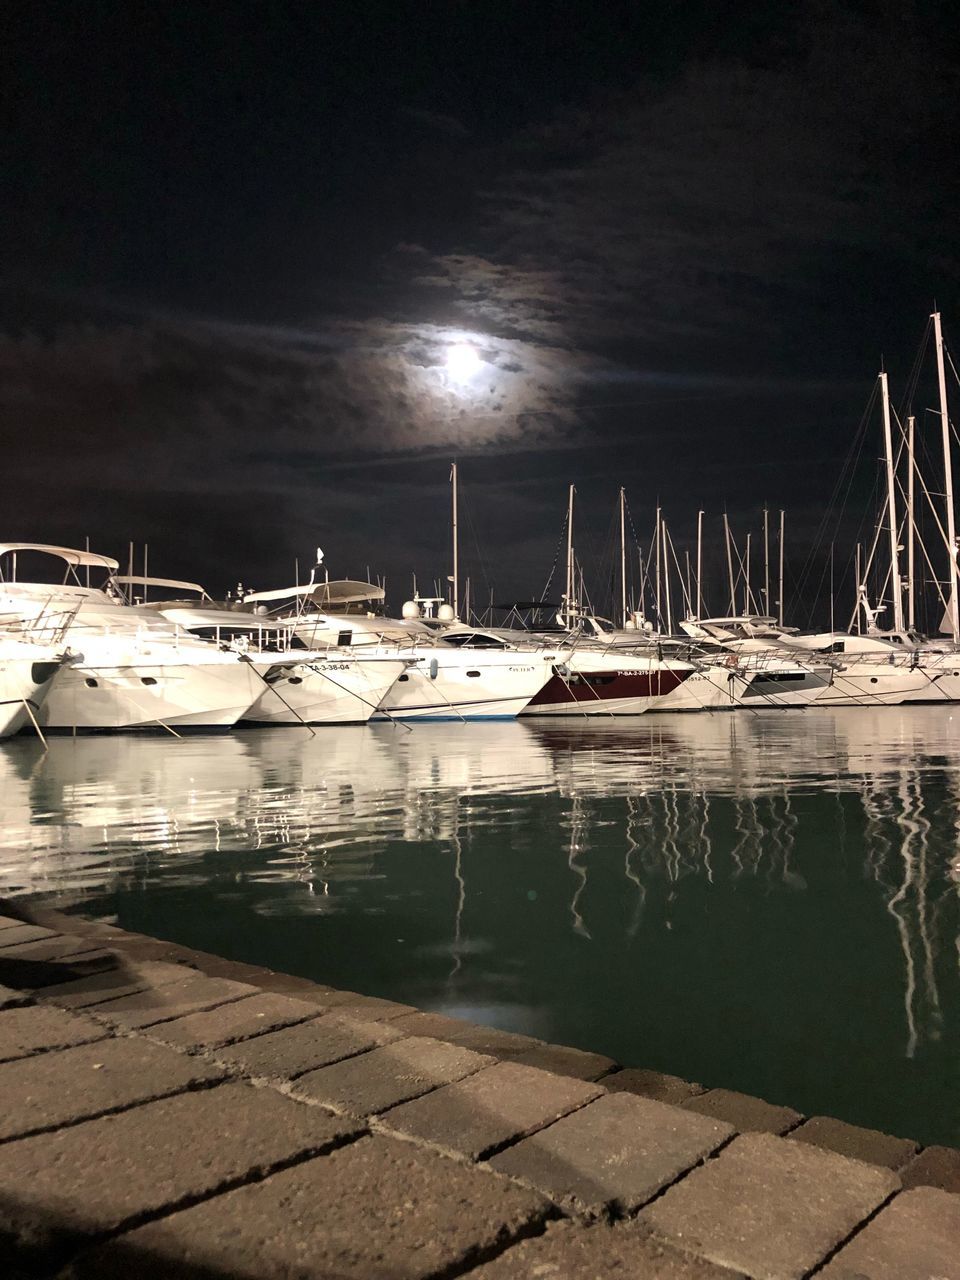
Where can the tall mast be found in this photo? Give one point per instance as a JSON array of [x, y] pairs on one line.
[[952, 603], [570, 582], [857, 574], [623, 561], [699, 563], [911, 535], [746, 583], [726, 538], [891, 508], [657, 580], [456, 545], [780, 601], [766, 562], [666, 580]]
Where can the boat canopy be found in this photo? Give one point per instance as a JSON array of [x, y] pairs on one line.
[[323, 593], [69, 554], [346, 592], [133, 580], [190, 619]]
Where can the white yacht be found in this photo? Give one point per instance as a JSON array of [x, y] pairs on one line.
[[438, 680], [299, 685], [128, 670]]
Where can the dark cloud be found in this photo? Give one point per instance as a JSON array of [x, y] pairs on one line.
[[678, 242]]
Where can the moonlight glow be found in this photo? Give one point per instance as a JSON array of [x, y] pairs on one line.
[[462, 361]]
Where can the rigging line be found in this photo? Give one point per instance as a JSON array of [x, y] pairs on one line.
[[846, 477], [556, 559]]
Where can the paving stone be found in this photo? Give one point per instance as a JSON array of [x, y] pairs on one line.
[[163, 1004], [934, 1167], [11, 999], [351, 1004], [770, 1207], [498, 1105], [500, 1044], [73, 1084], [617, 1152], [111, 984], [36, 972], [18, 933], [651, 1084], [384, 1077], [859, 1144], [35, 1028], [746, 1114], [54, 947], [235, 1021], [57, 1188], [916, 1237], [374, 1210], [565, 1061], [622, 1252], [284, 1055]]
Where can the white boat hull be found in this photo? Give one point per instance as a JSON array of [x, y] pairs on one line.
[[465, 685], [184, 694], [325, 692], [24, 684]]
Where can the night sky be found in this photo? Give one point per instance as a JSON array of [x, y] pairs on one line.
[[238, 242]]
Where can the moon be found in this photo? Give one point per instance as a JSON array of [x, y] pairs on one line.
[[462, 361]]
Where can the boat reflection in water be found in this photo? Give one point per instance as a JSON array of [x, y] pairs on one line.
[[769, 903]]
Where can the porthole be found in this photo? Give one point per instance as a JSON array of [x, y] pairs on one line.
[[473, 674], [402, 679], [873, 679], [148, 680], [295, 680], [91, 683]]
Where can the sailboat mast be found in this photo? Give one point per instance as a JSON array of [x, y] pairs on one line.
[[746, 583], [911, 533], [891, 508], [657, 581], [623, 561], [953, 603], [456, 544], [780, 601], [666, 570], [570, 583], [726, 538], [766, 562], [699, 563]]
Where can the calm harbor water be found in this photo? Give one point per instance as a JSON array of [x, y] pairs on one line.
[[764, 901]]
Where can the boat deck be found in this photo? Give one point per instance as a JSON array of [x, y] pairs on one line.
[[170, 1113]]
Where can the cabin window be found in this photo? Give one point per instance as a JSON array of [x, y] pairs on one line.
[[401, 679], [40, 672], [295, 680], [147, 680], [473, 674], [91, 683], [873, 679], [344, 638]]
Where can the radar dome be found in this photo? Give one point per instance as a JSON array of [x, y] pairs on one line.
[[410, 610], [445, 613]]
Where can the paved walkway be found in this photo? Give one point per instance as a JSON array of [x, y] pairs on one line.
[[167, 1113]]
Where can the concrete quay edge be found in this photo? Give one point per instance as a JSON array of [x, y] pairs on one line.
[[170, 1112]]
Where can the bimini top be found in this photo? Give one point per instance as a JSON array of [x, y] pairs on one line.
[[324, 593], [133, 580], [69, 554]]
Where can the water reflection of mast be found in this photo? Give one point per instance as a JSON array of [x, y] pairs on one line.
[[455, 951], [632, 847], [576, 832]]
